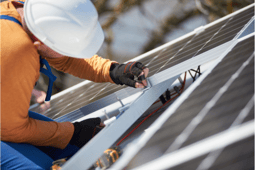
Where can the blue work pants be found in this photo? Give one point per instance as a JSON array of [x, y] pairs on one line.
[[20, 156]]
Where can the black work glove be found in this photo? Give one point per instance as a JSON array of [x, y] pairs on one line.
[[84, 131], [126, 73]]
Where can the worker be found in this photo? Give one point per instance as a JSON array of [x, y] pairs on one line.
[[66, 35]]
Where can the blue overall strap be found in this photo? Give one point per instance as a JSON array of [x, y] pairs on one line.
[[7, 17], [49, 74]]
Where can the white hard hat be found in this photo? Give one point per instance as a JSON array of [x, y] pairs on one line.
[[69, 27]]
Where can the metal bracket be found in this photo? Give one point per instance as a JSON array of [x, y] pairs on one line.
[[124, 108], [107, 117], [149, 85]]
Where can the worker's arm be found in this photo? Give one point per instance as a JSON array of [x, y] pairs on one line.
[[95, 69], [98, 69]]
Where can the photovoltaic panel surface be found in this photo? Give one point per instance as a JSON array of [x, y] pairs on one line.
[[230, 29], [241, 152], [223, 99], [72, 102], [237, 156]]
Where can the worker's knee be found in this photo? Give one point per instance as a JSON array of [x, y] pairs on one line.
[[23, 157]]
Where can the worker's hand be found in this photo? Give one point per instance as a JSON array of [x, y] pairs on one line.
[[44, 106], [38, 96], [128, 73], [85, 130]]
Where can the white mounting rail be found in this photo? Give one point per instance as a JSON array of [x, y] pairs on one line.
[[88, 155]]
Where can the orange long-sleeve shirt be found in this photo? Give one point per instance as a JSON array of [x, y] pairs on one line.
[[19, 72]]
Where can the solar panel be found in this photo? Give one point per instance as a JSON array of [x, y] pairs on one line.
[[101, 103], [211, 144], [125, 119], [241, 152], [213, 107], [72, 102], [231, 29], [111, 133]]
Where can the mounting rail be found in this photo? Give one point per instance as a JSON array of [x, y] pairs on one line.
[[159, 82]]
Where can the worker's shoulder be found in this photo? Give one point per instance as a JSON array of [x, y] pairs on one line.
[[7, 8], [15, 42]]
